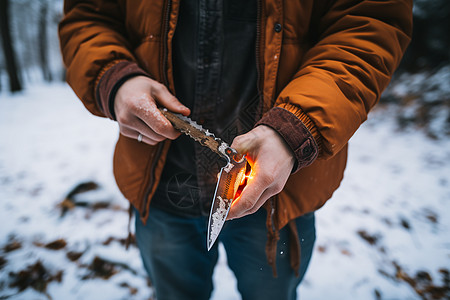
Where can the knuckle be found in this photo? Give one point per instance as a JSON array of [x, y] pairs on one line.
[[135, 107], [166, 128], [246, 205], [173, 99], [122, 129], [277, 187], [267, 179], [159, 88], [159, 127], [125, 133], [159, 139], [122, 119], [239, 140], [253, 210]]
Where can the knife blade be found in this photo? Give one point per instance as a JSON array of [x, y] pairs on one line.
[[231, 178]]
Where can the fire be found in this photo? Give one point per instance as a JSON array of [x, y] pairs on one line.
[[244, 180]]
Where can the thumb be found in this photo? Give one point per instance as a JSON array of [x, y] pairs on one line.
[[169, 101], [245, 143]]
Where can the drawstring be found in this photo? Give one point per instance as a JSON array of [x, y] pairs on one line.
[[272, 238]]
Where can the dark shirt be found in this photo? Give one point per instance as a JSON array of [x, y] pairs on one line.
[[215, 76]]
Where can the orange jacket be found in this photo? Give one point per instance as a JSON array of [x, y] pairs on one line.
[[325, 61]]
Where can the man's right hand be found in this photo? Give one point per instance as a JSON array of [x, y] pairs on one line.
[[135, 106]]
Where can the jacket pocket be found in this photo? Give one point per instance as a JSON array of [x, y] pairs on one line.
[[132, 161]]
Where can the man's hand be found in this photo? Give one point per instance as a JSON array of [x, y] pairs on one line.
[[135, 106], [271, 160]]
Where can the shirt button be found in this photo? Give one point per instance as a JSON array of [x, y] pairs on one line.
[[277, 27], [307, 150]]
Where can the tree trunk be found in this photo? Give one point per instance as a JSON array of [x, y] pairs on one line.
[[43, 42], [8, 50]]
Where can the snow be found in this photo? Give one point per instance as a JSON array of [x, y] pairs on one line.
[[392, 208], [425, 100], [431, 87], [394, 180]]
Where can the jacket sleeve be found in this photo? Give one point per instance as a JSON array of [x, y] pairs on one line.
[[359, 45], [92, 40]]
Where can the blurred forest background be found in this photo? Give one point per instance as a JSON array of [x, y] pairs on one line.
[[31, 54], [29, 33]]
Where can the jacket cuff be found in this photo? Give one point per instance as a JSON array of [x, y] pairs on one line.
[[295, 133], [110, 80]]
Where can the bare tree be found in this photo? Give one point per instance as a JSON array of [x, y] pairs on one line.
[[43, 42], [8, 49]]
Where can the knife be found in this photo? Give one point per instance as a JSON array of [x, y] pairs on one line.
[[232, 177]]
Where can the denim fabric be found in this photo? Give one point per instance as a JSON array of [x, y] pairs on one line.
[[173, 249]]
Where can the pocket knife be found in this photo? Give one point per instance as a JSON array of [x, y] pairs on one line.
[[232, 177]]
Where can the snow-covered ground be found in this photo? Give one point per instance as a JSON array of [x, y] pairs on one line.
[[384, 235]]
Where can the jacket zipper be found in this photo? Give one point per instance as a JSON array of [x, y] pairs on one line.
[[272, 213], [166, 82], [258, 59], [164, 44]]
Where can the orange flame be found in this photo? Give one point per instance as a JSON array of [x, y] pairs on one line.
[[247, 176]]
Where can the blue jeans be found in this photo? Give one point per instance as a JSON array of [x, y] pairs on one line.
[[174, 253]]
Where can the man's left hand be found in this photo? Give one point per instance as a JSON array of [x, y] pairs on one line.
[[271, 160]]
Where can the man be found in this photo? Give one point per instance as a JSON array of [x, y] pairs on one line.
[[288, 82]]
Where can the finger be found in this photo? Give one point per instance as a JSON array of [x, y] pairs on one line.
[[263, 199], [133, 134], [243, 143], [159, 131], [149, 116], [256, 206], [248, 199], [149, 141], [139, 126], [163, 97]]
